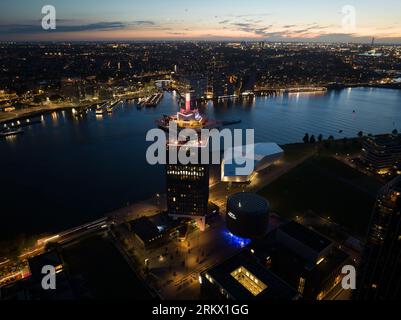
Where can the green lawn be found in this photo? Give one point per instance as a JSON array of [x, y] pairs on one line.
[[327, 187], [293, 152]]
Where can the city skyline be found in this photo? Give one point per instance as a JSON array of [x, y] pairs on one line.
[[309, 21], [200, 151]]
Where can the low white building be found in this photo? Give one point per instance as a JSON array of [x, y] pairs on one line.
[[264, 155]]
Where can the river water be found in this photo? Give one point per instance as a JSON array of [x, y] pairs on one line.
[[63, 171]]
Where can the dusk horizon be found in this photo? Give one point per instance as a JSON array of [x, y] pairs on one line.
[[287, 21]]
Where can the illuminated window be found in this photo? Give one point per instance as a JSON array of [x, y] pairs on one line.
[[248, 281], [59, 268], [301, 285]]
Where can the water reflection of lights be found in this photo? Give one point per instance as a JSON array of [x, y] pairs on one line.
[[54, 117], [236, 241], [11, 138]]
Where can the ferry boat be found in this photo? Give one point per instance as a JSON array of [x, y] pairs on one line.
[[100, 110]]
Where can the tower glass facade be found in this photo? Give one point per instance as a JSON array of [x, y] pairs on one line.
[[187, 189], [380, 271]]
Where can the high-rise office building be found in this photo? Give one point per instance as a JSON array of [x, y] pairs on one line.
[[379, 277], [187, 190]]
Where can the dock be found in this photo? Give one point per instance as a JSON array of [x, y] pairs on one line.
[[151, 101]]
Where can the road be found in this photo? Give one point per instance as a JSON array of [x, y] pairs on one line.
[[11, 270]]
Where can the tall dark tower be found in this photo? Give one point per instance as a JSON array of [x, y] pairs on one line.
[[379, 277], [188, 184]]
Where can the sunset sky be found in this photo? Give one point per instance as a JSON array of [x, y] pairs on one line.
[[285, 20]]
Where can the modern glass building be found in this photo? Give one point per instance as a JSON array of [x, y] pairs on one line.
[[380, 271], [382, 153], [187, 190]]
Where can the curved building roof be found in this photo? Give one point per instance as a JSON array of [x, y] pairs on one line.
[[248, 203], [263, 155]]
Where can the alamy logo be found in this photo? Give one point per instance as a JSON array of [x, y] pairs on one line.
[[49, 280], [349, 19], [49, 20], [349, 279], [189, 147]]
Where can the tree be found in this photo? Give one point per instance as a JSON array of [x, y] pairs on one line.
[[360, 134], [320, 138], [331, 138], [312, 139], [306, 138], [395, 132]]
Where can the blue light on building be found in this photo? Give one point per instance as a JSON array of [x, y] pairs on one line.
[[236, 241]]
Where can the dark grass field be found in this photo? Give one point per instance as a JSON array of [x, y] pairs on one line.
[[328, 188]]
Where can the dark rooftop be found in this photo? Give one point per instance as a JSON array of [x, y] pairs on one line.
[[37, 263], [63, 291], [306, 236], [145, 229], [386, 140], [249, 202], [276, 289], [332, 261]]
